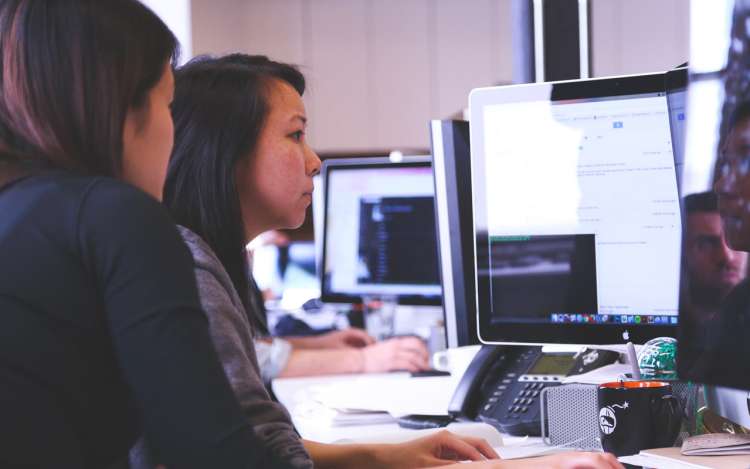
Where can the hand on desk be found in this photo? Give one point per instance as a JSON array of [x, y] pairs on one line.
[[437, 449], [400, 353], [572, 460], [352, 337]]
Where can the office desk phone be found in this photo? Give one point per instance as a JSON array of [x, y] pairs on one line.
[[502, 384]]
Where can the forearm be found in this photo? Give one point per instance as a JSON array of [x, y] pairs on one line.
[[304, 342], [341, 456], [323, 362]]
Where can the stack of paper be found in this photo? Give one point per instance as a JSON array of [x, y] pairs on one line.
[[320, 413], [716, 444], [344, 417], [672, 458], [397, 396]]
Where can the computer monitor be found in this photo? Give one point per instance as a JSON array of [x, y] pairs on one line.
[[714, 341], [676, 87], [379, 231], [576, 211], [451, 166], [318, 214]]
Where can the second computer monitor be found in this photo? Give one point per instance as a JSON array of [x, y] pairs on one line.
[[576, 211], [379, 231], [452, 168]]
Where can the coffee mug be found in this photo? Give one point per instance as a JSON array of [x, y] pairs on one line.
[[454, 360], [636, 415]]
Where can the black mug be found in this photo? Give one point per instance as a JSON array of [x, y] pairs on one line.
[[636, 415]]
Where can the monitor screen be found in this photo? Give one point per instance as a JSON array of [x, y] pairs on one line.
[[379, 231], [576, 211], [714, 341]]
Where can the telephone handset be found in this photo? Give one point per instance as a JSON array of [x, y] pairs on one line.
[[502, 384]]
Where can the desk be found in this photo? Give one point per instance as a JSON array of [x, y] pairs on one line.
[[298, 396]]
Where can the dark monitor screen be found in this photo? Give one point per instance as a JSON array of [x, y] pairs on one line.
[[379, 231], [576, 211], [714, 341]]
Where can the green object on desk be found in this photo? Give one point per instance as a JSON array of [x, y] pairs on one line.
[[657, 360]]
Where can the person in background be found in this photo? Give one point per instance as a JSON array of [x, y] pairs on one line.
[[103, 337], [725, 338], [298, 355], [241, 165], [714, 268]]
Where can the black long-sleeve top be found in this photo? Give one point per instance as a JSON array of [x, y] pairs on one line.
[[102, 336]]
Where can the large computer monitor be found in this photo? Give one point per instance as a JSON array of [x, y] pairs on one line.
[[379, 231], [576, 211], [714, 342], [451, 165]]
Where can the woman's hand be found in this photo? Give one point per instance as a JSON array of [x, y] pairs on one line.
[[578, 460], [437, 449], [571, 460], [347, 338]]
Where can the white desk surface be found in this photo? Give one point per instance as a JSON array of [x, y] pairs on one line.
[[296, 394]]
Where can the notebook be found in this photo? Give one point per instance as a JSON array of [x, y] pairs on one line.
[[715, 444], [672, 458]]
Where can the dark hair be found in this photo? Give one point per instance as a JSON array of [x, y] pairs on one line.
[[70, 72], [701, 202], [219, 108]]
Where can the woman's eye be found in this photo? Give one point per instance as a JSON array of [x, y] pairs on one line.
[[298, 135]]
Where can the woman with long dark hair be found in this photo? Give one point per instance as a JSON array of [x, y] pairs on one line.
[[231, 98], [241, 165], [103, 337]]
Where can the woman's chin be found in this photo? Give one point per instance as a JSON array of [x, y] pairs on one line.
[[294, 223]]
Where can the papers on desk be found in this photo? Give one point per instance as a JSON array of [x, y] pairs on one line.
[[528, 450], [716, 444], [397, 395], [361, 417], [672, 458], [323, 414]]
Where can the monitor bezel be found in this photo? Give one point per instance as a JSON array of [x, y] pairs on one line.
[[330, 165], [451, 168], [567, 333]]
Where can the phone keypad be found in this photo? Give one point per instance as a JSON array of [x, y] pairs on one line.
[[525, 400]]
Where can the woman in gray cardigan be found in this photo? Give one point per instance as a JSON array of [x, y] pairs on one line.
[[241, 166]]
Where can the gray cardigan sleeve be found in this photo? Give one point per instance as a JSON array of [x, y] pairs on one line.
[[232, 336]]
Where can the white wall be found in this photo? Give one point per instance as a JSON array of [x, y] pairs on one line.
[[176, 14], [378, 70], [638, 36]]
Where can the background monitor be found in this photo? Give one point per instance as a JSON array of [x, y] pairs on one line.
[[451, 164], [576, 211], [379, 231], [714, 342]]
